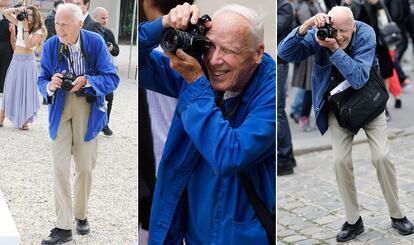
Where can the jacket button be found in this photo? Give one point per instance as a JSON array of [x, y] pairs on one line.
[[317, 109]]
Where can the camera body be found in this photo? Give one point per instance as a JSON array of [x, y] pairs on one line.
[[327, 31], [67, 80], [193, 41], [67, 86], [22, 15]]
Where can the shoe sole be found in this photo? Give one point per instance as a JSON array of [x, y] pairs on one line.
[[352, 237], [68, 239], [82, 233], [402, 233]]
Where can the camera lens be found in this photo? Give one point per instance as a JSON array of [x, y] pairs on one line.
[[21, 16], [67, 84], [172, 39], [322, 33]]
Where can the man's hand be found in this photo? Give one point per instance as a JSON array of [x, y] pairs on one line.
[[79, 83], [186, 65], [55, 82], [317, 20], [329, 43], [178, 17], [110, 46]]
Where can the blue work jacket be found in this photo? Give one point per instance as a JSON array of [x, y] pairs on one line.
[[100, 72], [198, 195], [354, 67]]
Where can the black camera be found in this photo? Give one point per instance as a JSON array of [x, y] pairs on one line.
[[22, 15], [67, 80], [327, 31], [193, 41], [88, 97]]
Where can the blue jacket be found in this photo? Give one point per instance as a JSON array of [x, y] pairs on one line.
[[354, 67], [198, 195], [101, 75]]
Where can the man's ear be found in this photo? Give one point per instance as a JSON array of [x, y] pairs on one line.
[[259, 53]]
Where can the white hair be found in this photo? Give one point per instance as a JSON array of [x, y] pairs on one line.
[[75, 10], [256, 22], [347, 10]]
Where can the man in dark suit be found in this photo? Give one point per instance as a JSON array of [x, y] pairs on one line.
[[50, 19], [88, 23], [101, 16]]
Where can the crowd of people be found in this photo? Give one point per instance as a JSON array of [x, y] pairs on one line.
[[76, 79]]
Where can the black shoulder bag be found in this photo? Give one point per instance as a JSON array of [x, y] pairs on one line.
[[353, 108], [267, 219]]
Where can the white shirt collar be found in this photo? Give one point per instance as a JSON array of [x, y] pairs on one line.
[[86, 15], [230, 94], [76, 45]]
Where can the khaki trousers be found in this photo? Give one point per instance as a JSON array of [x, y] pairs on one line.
[[376, 132], [70, 137]]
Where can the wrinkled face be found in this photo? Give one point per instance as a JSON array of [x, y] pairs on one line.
[[101, 17], [29, 16], [345, 28], [82, 6], [67, 26], [234, 55]]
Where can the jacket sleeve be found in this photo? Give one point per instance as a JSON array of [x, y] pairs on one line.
[[155, 72], [46, 71], [115, 50], [295, 48], [105, 79], [229, 149]]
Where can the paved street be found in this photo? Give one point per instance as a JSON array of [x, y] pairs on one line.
[[310, 210], [26, 172]]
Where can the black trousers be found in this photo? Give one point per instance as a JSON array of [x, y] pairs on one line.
[[109, 98], [6, 56]]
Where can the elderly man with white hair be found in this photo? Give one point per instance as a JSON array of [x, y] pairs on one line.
[[222, 134], [76, 74], [348, 54]]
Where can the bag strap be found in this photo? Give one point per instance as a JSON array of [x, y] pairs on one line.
[[384, 7], [265, 217]]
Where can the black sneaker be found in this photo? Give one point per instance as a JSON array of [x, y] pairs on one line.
[[107, 131], [349, 231], [58, 236], [82, 226]]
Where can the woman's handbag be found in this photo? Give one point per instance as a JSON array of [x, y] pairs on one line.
[[354, 108], [389, 32]]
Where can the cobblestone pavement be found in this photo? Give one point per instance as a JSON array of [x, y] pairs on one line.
[[26, 173], [310, 210]]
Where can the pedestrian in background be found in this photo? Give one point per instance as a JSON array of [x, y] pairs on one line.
[[20, 96], [285, 159], [7, 42], [101, 16], [50, 19]]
